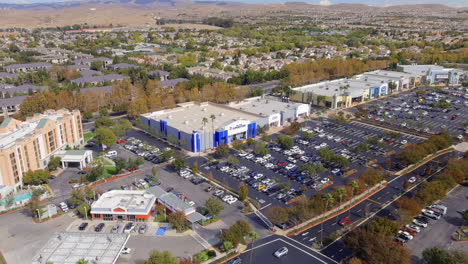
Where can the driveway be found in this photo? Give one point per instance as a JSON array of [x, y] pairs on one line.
[[439, 232]]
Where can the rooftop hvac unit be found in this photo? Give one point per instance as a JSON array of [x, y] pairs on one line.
[[222, 114]]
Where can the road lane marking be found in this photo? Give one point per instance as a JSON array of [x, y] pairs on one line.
[[374, 201]]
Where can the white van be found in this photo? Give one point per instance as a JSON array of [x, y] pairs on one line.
[[111, 153], [64, 207]]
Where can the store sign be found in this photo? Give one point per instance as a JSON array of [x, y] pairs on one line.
[[441, 76], [237, 127]]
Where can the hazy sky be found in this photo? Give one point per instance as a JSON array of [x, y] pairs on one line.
[[453, 3]]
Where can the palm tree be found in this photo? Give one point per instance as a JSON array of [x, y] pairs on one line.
[[204, 122], [353, 184], [328, 197], [252, 237], [212, 117], [82, 261], [341, 192]]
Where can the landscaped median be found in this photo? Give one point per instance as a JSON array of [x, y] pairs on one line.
[[461, 235], [372, 162], [349, 173], [332, 213], [424, 161], [323, 187]]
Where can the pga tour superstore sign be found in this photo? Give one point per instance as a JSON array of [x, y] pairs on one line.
[[237, 127]]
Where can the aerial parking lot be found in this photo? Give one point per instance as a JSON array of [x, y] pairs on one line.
[[429, 110], [282, 172]]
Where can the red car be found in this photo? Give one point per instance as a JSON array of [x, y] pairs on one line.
[[121, 141], [131, 169], [281, 163], [344, 221], [454, 117]]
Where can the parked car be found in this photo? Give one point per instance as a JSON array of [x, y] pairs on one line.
[[412, 180], [128, 228], [430, 214], [142, 229], [99, 227], [83, 226], [236, 260], [115, 228]]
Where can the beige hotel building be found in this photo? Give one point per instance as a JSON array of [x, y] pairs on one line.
[[29, 145]]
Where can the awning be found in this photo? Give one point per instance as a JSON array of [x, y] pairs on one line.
[[195, 217]]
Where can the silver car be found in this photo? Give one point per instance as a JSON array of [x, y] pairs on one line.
[[281, 252]]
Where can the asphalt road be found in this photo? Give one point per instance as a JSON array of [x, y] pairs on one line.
[[264, 249], [337, 251]]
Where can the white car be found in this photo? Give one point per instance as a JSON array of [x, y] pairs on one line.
[[250, 156], [191, 203], [415, 228], [412, 180], [321, 135], [242, 154], [330, 137], [460, 137], [430, 214], [405, 234], [324, 144], [324, 180], [288, 152], [269, 165], [419, 223], [304, 158], [126, 250], [404, 141], [281, 252], [227, 197], [231, 200], [291, 159], [290, 166]]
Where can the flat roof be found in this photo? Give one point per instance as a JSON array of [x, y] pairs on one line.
[[130, 201], [331, 88], [73, 155], [70, 247], [188, 116], [388, 74], [264, 106], [421, 69]]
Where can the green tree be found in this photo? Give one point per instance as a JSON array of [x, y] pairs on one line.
[[164, 257], [376, 248], [226, 246], [285, 142], [84, 210], [329, 199], [195, 167], [33, 204], [35, 177], [120, 164], [260, 148], [237, 144], [243, 192], [54, 163], [438, 256], [178, 221], [105, 136], [97, 65], [383, 225], [77, 197], [104, 112], [179, 162], [222, 150], [166, 154], [214, 206], [277, 214], [125, 125], [103, 122]]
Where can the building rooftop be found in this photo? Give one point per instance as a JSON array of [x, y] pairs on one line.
[[263, 106], [129, 201], [69, 248], [420, 69], [7, 139], [188, 116], [387, 74], [331, 88]]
